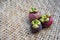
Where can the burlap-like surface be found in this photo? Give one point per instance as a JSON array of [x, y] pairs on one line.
[[14, 21]]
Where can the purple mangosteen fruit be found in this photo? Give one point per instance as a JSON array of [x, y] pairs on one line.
[[34, 14], [46, 20], [36, 26]]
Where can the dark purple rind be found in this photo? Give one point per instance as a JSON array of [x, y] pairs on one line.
[[37, 29]]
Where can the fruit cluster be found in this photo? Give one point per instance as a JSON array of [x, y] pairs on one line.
[[39, 21]]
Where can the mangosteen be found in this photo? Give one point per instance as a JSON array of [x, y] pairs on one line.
[[36, 26], [34, 14], [46, 20]]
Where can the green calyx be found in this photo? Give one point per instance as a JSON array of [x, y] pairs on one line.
[[47, 19], [36, 22], [48, 15], [35, 26], [44, 18], [33, 9]]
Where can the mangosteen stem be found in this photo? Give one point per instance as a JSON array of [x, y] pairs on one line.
[[33, 9]]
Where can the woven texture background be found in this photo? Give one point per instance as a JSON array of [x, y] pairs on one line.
[[14, 21]]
